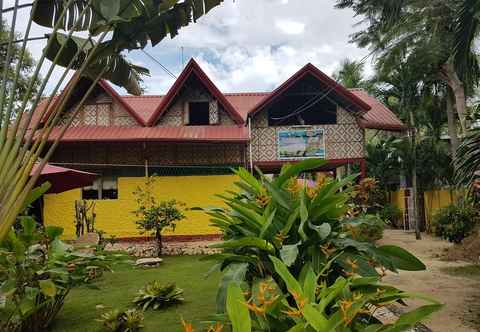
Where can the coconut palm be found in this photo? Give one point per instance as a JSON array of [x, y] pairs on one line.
[[468, 159], [88, 36]]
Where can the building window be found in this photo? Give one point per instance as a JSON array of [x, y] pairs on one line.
[[198, 113], [302, 110], [103, 188]]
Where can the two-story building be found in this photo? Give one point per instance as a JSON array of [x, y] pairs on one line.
[[193, 135]]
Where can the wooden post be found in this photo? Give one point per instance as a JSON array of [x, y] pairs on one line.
[[363, 169]]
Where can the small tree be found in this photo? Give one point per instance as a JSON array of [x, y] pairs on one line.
[[155, 216]]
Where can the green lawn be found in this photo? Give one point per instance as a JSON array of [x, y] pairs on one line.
[[118, 289]]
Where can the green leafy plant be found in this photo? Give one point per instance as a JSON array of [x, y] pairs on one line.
[[455, 222], [370, 230], [37, 272], [95, 35], [158, 296], [153, 216], [311, 304], [390, 214], [299, 225], [116, 320]]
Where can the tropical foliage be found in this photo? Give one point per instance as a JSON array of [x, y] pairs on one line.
[[311, 303], [115, 320], [153, 216], [37, 272], [468, 160], [303, 227], [88, 37], [156, 295], [456, 221]]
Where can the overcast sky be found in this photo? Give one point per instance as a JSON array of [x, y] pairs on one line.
[[248, 45]]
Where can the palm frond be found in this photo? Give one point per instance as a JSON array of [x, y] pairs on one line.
[[467, 159]]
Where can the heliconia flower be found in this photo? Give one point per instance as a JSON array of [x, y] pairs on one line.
[[187, 327], [294, 313]]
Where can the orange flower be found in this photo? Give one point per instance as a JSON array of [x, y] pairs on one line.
[[216, 328], [353, 264], [263, 200], [294, 313], [259, 310], [187, 327]]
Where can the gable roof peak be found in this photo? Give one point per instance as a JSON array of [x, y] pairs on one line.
[[193, 68], [309, 68]]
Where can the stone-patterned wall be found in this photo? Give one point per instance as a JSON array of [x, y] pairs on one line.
[[102, 111], [158, 154], [343, 140]]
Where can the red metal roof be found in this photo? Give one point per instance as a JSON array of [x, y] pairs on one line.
[[147, 110], [231, 134], [379, 117], [310, 69]]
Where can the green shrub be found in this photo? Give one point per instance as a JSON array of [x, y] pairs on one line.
[[115, 320], [371, 229], [455, 222], [157, 295], [37, 272], [300, 225], [390, 214]]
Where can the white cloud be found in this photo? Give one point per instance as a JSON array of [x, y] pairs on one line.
[[290, 27], [247, 45]]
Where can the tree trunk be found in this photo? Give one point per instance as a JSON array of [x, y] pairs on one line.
[[416, 220], [458, 89], [452, 124], [158, 237]]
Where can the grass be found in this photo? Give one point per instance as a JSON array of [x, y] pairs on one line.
[[467, 271], [118, 289]]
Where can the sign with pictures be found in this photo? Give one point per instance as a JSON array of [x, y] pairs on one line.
[[301, 144]]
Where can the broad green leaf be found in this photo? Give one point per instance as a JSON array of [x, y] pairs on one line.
[[53, 232], [409, 319], [300, 327], [401, 259], [315, 318], [292, 284], [233, 273], [48, 287], [310, 285], [237, 310], [294, 170], [323, 230], [289, 254], [246, 242], [35, 194]]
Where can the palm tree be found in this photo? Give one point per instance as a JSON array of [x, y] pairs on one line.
[[88, 36], [468, 159], [351, 75]]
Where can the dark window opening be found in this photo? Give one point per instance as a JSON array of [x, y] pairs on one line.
[[198, 114], [103, 188], [302, 109]]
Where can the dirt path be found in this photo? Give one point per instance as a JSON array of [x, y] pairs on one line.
[[454, 291]]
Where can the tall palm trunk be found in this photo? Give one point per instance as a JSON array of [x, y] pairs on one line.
[[452, 123], [416, 213], [451, 77]]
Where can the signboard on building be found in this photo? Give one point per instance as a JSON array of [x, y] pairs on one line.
[[301, 144]]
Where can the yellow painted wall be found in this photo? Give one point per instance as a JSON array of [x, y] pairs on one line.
[[115, 217], [434, 200]]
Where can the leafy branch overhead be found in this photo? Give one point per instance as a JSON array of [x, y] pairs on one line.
[[132, 25]]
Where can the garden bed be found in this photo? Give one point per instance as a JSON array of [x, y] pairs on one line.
[[117, 289]]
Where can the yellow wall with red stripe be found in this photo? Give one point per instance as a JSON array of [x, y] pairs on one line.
[[115, 217]]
